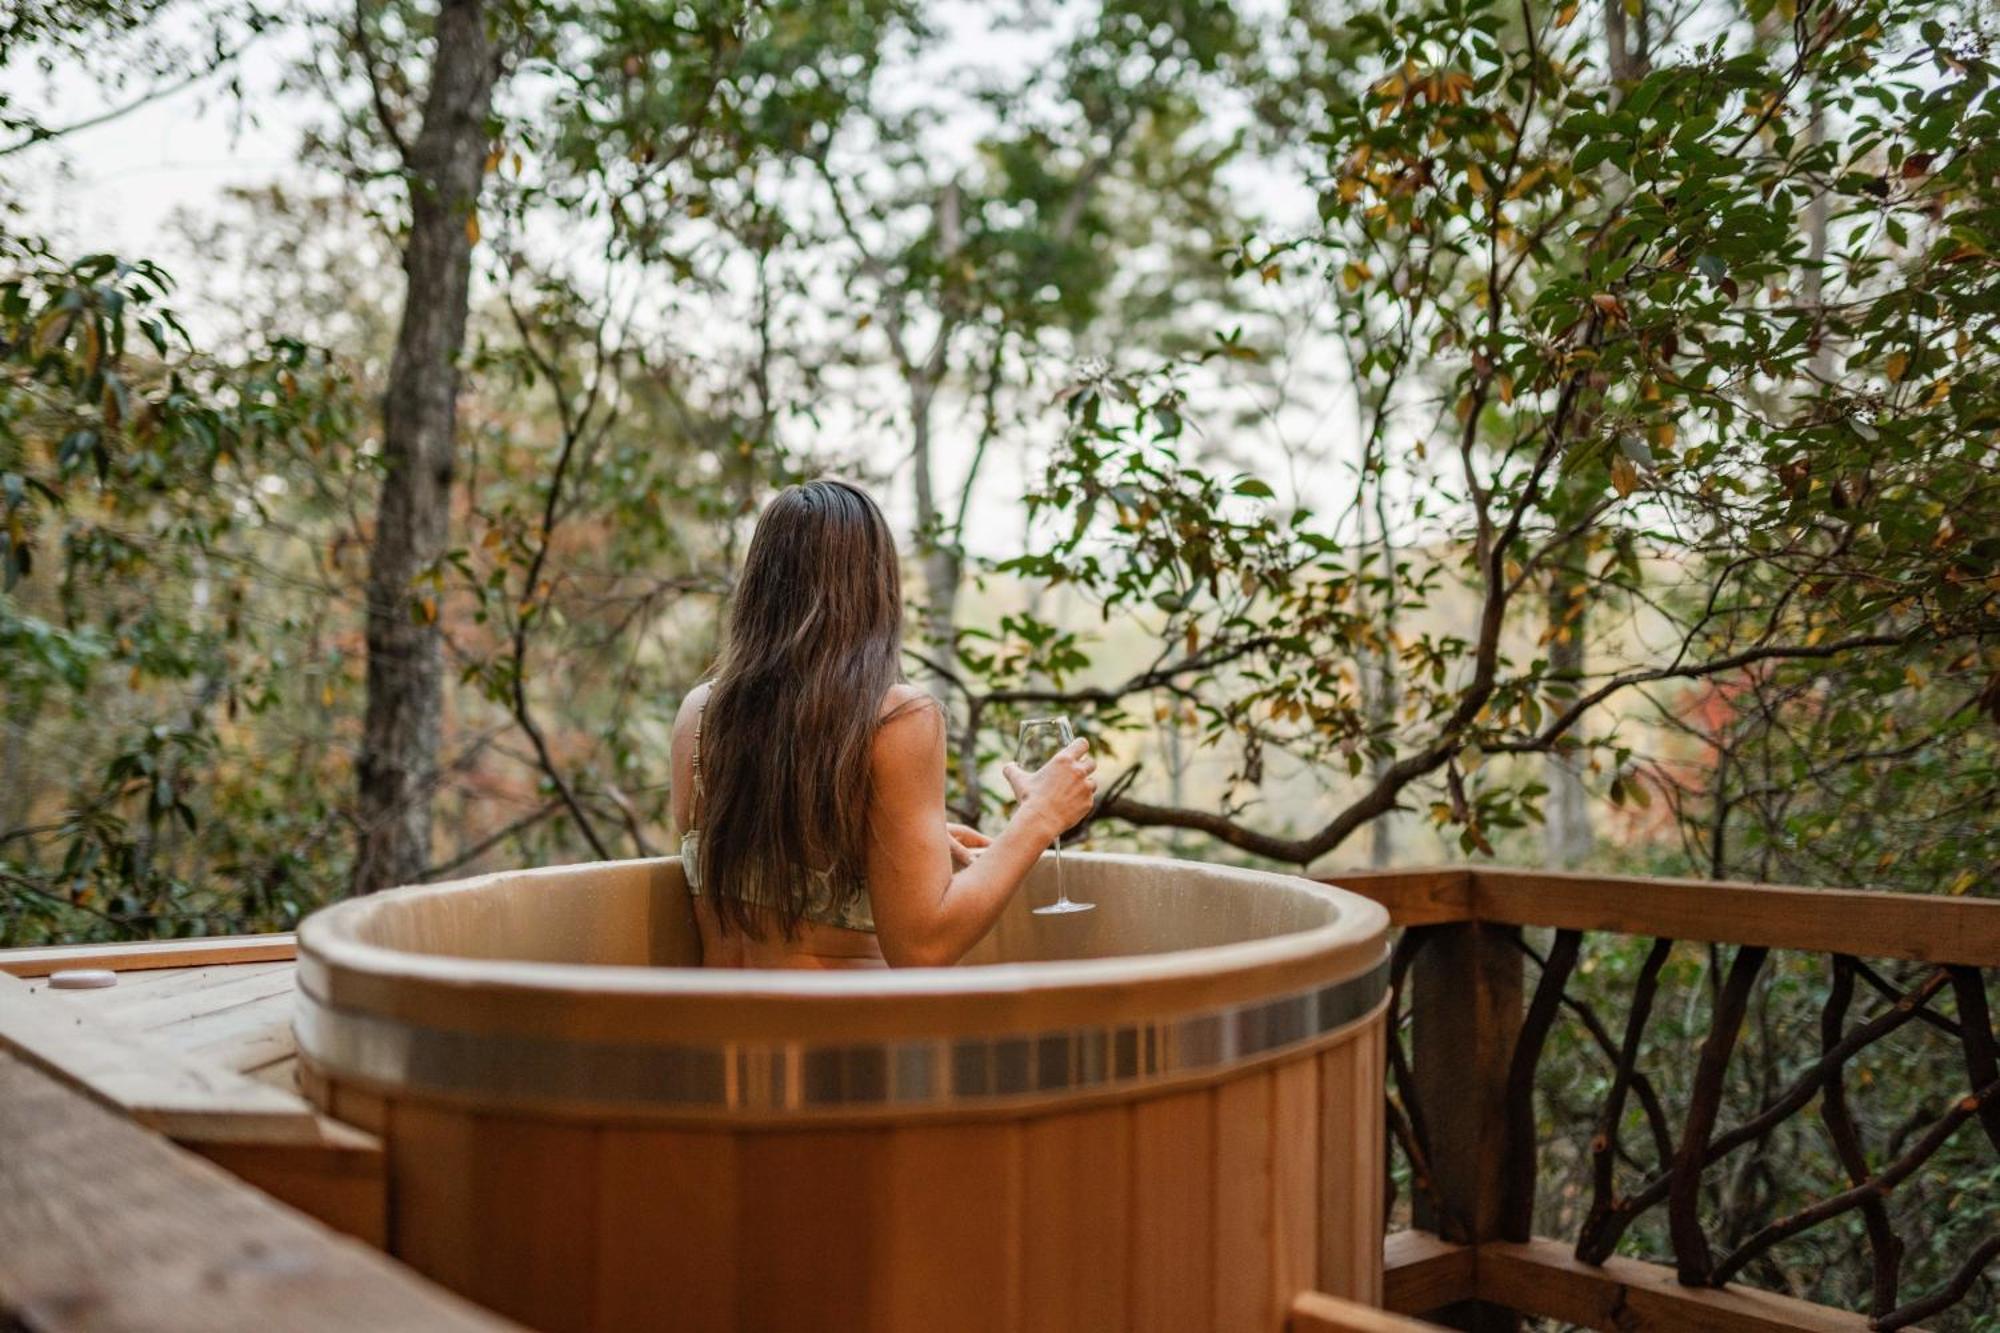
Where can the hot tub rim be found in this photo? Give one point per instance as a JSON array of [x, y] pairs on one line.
[[625, 1002], [706, 1118]]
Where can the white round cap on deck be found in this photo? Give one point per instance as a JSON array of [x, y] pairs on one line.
[[82, 978]]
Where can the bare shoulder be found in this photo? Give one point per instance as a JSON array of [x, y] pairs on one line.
[[903, 700], [692, 704], [911, 725]]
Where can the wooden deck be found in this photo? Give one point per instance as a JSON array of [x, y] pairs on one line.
[[195, 1042], [234, 1015], [107, 1227]]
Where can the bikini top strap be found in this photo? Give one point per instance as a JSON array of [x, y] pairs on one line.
[[699, 710]]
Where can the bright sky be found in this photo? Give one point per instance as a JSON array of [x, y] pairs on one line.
[[119, 187], [115, 186]]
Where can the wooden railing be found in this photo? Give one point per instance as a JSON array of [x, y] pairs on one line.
[[1660, 1148]]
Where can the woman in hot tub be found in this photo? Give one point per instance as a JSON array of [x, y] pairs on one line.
[[809, 779]]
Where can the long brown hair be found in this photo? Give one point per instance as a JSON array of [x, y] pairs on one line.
[[815, 641]]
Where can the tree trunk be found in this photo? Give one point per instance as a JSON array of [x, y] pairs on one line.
[[942, 571], [1567, 835], [1381, 688], [397, 771]]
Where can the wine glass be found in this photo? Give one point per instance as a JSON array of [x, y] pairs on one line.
[[1042, 739]]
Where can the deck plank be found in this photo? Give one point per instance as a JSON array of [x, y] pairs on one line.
[[105, 1228], [202, 991], [137, 1074], [139, 956], [235, 1015], [221, 1083]]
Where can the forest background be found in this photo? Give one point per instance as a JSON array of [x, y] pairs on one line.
[[1395, 431]]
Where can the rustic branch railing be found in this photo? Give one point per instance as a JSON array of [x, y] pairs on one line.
[[1468, 1039]]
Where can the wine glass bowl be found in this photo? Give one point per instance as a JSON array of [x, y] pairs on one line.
[[1042, 739]]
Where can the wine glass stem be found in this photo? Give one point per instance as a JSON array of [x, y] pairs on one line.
[[1062, 892]]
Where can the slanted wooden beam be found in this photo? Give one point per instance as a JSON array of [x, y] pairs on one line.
[[106, 1226], [270, 1137], [122, 1068], [1542, 1277]]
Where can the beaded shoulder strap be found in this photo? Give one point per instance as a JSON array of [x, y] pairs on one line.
[[695, 809]]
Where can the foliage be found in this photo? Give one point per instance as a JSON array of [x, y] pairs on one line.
[[132, 467], [1663, 362], [1621, 369], [1894, 1090]]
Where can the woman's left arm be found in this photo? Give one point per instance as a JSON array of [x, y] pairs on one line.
[[928, 914]]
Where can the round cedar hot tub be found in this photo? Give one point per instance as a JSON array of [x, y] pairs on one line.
[[1163, 1114]]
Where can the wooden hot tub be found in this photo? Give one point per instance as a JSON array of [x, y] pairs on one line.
[[1163, 1114]]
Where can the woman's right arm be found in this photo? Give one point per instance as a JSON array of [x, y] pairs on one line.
[[927, 914]]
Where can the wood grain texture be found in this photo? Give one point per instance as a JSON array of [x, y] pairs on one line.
[[1200, 1210], [410, 956], [1466, 1010], [1542, 1277], [1245, 1202], [668, 1237], [433, 1226], [137, 989], [1101, 1207], [534, 1208], [1173, 1201], [39, 962], [1421, 897], [1076, 1213], [1421, 1272], [1863, 922], [341, 1183], [806, 1212], [1350, 1178], [948, 1225], [1317, 1312], [183, 997], [108, 1228], [1465, 991], [500, 1210], [1295, 1177], [236, 1015], [141, 1077], [184, 1076], [1933, 929], [249, 1047], [1366, 1220]]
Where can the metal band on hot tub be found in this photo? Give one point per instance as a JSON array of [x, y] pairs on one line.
[[961, 1072]]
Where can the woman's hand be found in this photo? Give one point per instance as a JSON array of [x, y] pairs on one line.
[[966, 843], [1060, 792], [938, 889]]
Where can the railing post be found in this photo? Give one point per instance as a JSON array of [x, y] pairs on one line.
[[1465, 1004]]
